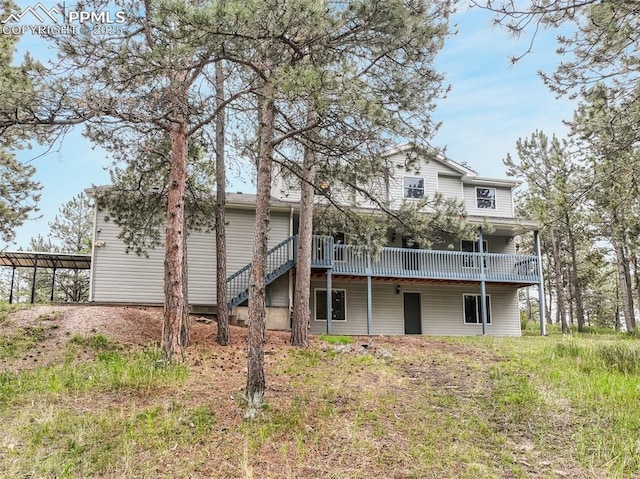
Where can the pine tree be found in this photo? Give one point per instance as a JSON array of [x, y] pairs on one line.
[[19, 192], [71, 232]]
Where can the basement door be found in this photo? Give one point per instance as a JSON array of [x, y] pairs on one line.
[[412, 315]]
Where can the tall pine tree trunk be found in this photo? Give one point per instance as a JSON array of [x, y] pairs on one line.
[[625, 284], [175, 329], [559, 283], [256, 327], [221, 199], [575, 278], [301, 313], [636, 275]]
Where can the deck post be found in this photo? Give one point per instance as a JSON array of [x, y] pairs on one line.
[[329, 301], [483, 286], [369, 307], [541, 305]]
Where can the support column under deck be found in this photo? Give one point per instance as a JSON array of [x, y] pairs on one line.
[[369, 305], [329, 301], [483, 286]]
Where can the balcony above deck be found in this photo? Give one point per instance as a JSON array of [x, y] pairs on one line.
[[349, 260]]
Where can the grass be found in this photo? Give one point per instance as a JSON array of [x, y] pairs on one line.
[[6, 308], [336, 339], [24, 339], [441, 407]]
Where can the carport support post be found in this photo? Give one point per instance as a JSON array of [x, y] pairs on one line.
[[13, 277], [33, 282], [483, 287], [541, 305], [329, 301], [53, 282]]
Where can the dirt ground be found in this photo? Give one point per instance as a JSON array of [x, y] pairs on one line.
[[125, 325]]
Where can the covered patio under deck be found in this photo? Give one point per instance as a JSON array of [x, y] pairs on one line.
[[415, 265]]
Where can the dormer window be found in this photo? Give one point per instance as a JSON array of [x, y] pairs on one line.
[[486, 198], [413, 187]]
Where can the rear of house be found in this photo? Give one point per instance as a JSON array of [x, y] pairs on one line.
[[402, 290]]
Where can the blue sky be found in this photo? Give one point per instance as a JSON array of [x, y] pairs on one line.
[[492, 103]]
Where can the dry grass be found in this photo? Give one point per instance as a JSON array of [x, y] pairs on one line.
[[88, 399]]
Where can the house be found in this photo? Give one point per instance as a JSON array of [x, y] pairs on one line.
[[402, 290]]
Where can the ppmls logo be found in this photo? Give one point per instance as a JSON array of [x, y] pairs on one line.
[[38, 11], [52, 21]]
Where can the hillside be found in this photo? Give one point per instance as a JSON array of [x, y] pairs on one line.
[[84, 394]]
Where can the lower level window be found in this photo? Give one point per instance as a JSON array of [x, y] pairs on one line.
[[338, 304], [473, 307]]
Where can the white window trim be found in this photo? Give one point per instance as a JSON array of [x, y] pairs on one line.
[[424, 187], [479, 323], [495, 197], [315, 305], [485, 247]]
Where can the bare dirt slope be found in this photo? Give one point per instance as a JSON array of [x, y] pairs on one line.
[[142, 326]]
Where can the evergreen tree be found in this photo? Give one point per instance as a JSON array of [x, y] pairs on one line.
[[149, 79], [554, 190], [18, 190], [72, 231]]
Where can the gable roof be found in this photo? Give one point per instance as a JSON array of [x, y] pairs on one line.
[[438, 156], [468, 175]]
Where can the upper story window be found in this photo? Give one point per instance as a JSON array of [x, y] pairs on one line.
[[486, 198], [413, 187]]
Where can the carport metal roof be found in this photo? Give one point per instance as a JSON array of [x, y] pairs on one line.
[[30, 259], [42, 260]]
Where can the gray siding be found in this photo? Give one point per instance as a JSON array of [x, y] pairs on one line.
[[504, 202], [442, 309], [356, 322], [450, 186], [496, 244], [286, 188], [429, 170], [128, 278]]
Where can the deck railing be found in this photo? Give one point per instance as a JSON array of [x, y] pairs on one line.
[[428, 264], [389, 262]]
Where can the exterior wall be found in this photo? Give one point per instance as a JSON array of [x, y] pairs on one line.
[[429, 170], [504, 202], [450, 186], [356, 322], [438, 177], [127, 278], [285, 188], [441, 308], [496, 244]]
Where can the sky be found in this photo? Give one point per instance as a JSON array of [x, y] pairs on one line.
[[491, 105]]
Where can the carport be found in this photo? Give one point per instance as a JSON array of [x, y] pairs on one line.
[[37, 259]]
